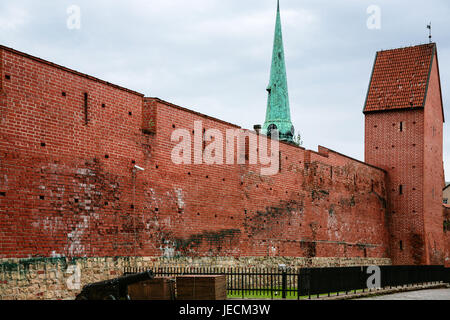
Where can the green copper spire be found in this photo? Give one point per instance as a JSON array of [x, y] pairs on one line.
[[278, 115]]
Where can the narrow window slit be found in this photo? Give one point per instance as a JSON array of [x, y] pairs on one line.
[[86, 119]]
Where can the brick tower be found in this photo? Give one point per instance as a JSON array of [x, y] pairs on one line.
[[403, 134]]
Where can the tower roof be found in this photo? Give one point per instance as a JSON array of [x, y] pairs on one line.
[[400, 78]]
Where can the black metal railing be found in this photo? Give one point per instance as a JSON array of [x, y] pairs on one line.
[[293, 283], [316, 281]]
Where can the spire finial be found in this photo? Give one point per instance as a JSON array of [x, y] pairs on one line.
[[278, 5], [429, 28]]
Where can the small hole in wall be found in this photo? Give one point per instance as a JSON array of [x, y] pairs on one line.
[[156, 209], [63, 94], [215, 216], [106, 203], [41, 197], [198, 213], [132, 206], [106, 156], [189, 173], [223, 179], [7, 77], [133, 162], [2, 194], [76, 200], [157, 167], [130, 113], [103, 105], [173, 126], [207, 177], [232, 218], [43, 144]]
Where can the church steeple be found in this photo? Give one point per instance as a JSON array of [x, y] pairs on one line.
[[278, 115]]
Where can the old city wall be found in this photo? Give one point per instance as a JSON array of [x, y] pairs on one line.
[[69, 197]]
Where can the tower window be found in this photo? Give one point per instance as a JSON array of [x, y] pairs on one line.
[[401, 245], [401, 126], [86, 119], [400, 189]]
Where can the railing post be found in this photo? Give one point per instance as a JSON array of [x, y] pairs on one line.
[[284, 283]]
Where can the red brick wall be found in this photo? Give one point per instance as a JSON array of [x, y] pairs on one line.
[[78, 196], [446, 210], [66, 185], [433, 177], [413, 159]]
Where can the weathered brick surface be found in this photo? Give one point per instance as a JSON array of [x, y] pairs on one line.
[[69, 189]]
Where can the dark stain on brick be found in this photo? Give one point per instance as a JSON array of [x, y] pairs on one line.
[[331, 210], [382, 199], [265, 220], [417, 248], [309, 248], [319, 194], [215, 239]]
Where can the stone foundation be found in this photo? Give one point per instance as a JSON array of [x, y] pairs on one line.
[[62, 278]]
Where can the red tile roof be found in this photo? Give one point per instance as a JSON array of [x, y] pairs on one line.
[[400, 78]]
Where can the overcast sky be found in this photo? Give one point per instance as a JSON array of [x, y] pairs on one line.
[[213, 56]]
